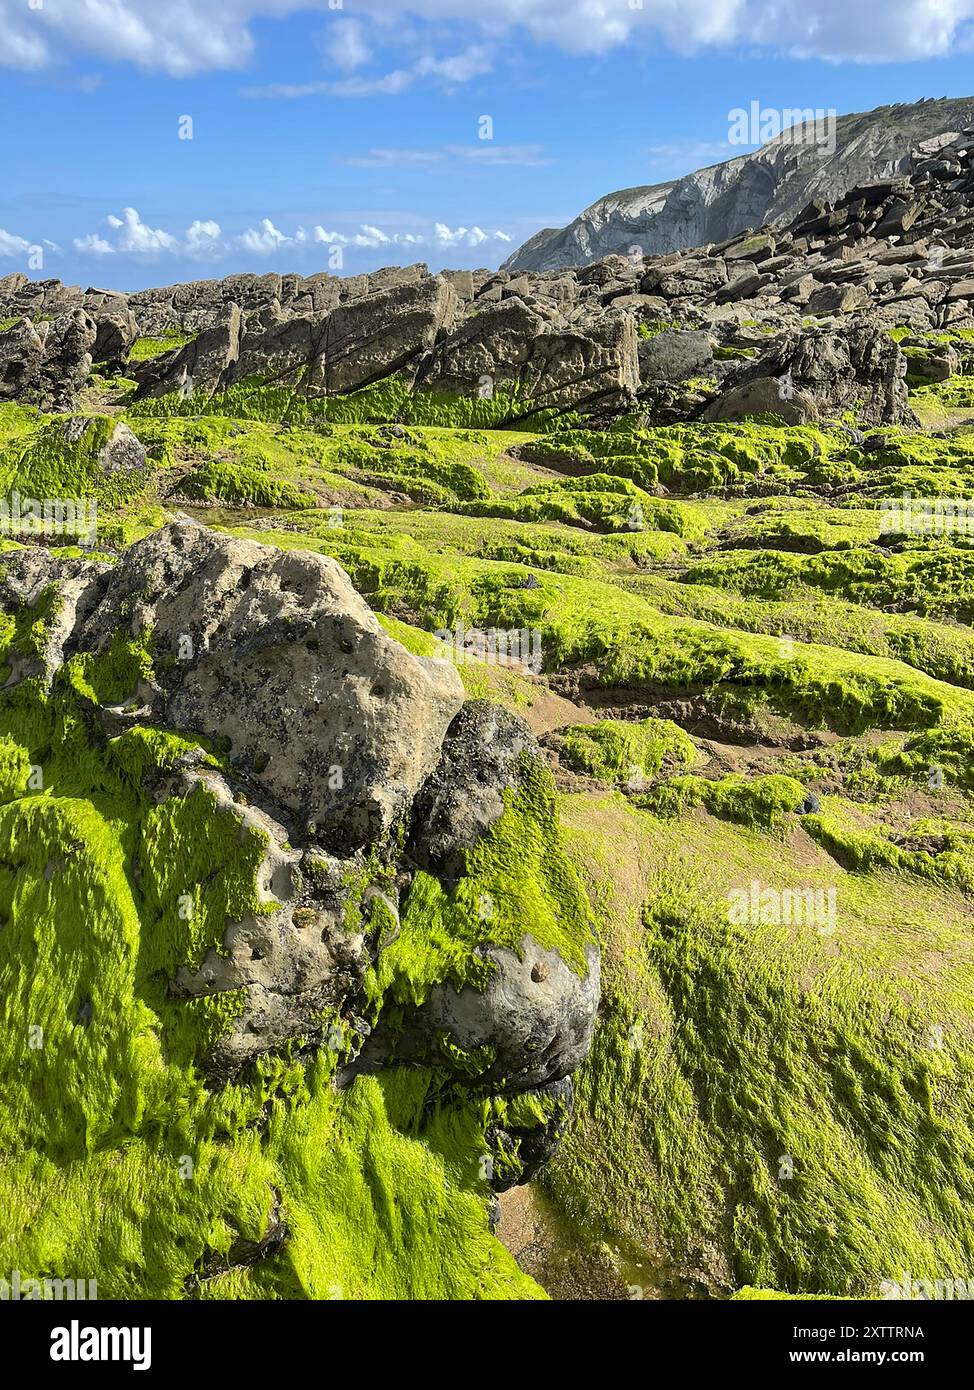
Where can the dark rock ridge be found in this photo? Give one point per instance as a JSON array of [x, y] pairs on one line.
[[769, 185], [803, 306]]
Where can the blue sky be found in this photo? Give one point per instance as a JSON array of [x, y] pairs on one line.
[[348, 136]]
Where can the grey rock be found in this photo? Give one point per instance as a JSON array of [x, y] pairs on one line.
[[202, 366], [535, 1014], [47, 364], [533, 1148], [25, 576], [275, 656], [857, 369], [301, 958], [763, 395], [116, 331], [383, 333], [123, 452], [675, 356], [465, 794], [509, 345], [838, 299]]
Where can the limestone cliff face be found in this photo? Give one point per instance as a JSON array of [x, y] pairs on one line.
[[770, 185]]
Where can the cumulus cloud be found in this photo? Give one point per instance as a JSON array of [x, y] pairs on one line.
[[137, 239], [128, 235], [93, 245], [205, 240], [463, 236], [462, 67], [14, 247], [189, 36], [11, 245], [442, 237], [263, 240]]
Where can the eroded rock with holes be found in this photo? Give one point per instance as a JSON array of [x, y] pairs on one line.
[[275, 656]]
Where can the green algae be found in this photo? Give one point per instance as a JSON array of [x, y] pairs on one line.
[[119, 1163], [630, 753], [147, 349], [769, 1105], [754, 801], [758, 580], [391, 400], [518, 882]]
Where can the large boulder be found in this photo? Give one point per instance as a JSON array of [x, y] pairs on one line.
[[764, 395], [66, 365], [372, 338], [21, 354], [275, 657], [858, 369], [117, 330], [465, 794], [675, 356]]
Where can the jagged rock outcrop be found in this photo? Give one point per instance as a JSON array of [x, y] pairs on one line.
[[821, 374], [510, 347], [47, 363], [769, 185], [895, 252]]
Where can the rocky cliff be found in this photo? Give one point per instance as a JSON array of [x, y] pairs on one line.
[[768, 186]]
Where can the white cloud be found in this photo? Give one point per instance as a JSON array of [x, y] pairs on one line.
[[181, 37], [93, 245], [11, 245], [373, 238], [391, 84], [450, 156], [694, 154], [265, 241], [463, 67], [132, 237], [189, 36], [473, 62], [203, 239], [137, 239], [346, 45], [464, 236]]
